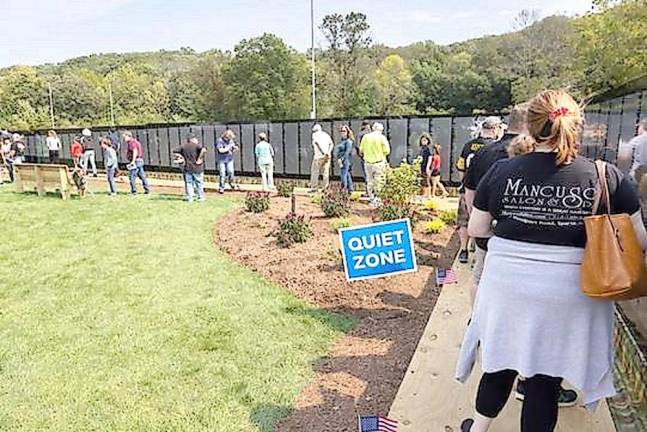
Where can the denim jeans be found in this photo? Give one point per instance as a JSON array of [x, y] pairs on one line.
[[138, 171], [88, 156], [110, 172], [194, 182], [226, 172], [346, 176]]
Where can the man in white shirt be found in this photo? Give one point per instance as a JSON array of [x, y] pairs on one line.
[[322, 145]]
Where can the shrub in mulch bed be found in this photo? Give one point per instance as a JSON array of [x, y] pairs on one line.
[[448, 216], [284, 189], [390, 210], [335, 202], [340, 223], [435, 226], [431, 205], [401, 183], [292, 229], [257, 202]]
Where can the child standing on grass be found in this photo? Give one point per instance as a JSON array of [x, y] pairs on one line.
[[77, 151], [110, 161]]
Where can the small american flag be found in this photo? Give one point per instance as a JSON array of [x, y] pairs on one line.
[[377, 424], [445, 277]]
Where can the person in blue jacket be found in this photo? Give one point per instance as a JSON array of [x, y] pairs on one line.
[[344, 157]]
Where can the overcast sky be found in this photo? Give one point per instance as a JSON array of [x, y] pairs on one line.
[[38, 31]]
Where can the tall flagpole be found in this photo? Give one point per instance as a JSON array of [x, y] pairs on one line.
[[51, 105], [313, 113]]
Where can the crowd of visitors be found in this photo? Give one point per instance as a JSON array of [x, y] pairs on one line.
[[524, 200], [370, 150]]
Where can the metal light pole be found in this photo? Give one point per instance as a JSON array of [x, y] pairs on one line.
[[51, 105], [112, 107], [313, 113]]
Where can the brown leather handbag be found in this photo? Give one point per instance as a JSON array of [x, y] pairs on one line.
[[613, 267]]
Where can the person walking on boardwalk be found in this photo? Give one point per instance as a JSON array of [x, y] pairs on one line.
[[530, 315], [487, 134]]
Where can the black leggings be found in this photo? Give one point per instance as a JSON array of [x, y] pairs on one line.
[[539, 412]]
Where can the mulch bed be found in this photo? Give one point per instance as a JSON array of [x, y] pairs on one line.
[[364, 369]]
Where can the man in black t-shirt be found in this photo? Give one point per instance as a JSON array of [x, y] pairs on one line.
[[490, 130], [481, 163], [192, 156]]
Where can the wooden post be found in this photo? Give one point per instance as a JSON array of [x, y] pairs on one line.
[[17, 178], [294, 203], [65, 184], [40, 185]]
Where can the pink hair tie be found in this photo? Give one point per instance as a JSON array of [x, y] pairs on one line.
[[558, 112]]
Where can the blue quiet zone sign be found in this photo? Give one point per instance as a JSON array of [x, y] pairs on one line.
[[381, 249]]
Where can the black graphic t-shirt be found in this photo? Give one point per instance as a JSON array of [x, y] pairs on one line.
[[535, 201], [467, 153], [485, 158]]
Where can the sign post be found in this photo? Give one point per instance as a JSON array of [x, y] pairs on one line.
[[378, 250]]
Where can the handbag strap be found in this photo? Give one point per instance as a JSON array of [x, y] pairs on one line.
[[602, 192]]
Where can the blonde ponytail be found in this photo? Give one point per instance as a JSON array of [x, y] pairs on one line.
[[555, 120]]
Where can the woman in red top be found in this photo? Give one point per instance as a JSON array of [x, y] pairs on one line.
[[435, 173], [76, 150]]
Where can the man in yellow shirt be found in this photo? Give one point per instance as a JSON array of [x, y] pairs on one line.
[[374, 149]]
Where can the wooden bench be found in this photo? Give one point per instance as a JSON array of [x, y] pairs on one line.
[[43, 178]]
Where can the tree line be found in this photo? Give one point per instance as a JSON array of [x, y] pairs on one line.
[[263, 78]]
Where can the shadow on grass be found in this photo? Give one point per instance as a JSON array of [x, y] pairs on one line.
[[265, 417], [167, 197], [47, 195], [339, 322]]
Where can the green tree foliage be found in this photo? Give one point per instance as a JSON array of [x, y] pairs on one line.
[[346, 91], [610, 46], [266, 79], [394, 87], [23, 98]]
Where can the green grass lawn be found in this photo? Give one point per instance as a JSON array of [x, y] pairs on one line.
[[120, 315]]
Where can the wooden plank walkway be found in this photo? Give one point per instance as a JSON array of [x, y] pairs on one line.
[[430, 400]]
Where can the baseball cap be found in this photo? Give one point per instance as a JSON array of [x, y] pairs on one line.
[[491, 122]]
